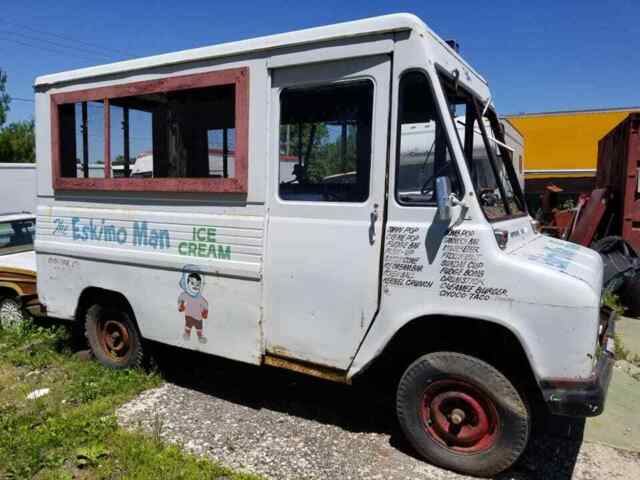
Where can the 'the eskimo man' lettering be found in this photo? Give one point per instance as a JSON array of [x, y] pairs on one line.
[[143, 236], [97, 231], [100, 231]]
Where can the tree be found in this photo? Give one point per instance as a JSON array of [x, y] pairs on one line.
[[17, 142], [4, 98]]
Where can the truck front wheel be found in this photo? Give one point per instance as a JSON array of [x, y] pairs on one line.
[[462, 414], [113, 337]]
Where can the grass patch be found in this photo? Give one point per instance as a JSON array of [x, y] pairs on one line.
[[72, 431]]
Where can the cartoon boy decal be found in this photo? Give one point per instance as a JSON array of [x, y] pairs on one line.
[[192, 303]]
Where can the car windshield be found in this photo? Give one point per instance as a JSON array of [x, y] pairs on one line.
[[16, 235], [488, 157]]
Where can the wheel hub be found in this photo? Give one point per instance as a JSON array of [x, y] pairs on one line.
[[114, 338], [460, 416], [10, 313]]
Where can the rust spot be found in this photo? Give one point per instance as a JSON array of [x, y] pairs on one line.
[[306, 368]]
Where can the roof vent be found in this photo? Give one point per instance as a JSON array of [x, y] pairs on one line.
[[453, 44]]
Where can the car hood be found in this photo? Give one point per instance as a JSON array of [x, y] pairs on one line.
[[21, 261], [564, 257]]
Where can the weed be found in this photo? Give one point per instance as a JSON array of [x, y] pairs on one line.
[[158, 424], [72, 432], [621, 353], [612, 301]]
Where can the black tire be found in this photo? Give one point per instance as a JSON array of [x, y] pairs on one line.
[[630, 296], [460, 383], [113, 337], [614, 243]]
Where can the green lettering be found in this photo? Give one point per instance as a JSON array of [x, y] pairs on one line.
[[211, 234], [224, 252], [201, 234]]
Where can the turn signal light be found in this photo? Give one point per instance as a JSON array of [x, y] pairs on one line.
[[502, 237]]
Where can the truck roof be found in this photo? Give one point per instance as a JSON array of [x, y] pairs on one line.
[[358, 28]]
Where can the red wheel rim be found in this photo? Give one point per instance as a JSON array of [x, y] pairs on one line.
[[114, 339], [459, 416]]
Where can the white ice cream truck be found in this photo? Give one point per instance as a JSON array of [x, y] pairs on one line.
[[329, 239]]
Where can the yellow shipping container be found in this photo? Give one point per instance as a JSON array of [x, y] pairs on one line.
[[564, 144]]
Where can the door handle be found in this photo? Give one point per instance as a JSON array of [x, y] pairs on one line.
[[372, 225]]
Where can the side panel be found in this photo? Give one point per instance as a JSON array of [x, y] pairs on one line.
[[139, 243], [146, 256]]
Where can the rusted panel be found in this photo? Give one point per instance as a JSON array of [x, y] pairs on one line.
[[306, 368], [590, 219], [182, 82], [618, 163], [235, 76], [631, 226], [107, 139]]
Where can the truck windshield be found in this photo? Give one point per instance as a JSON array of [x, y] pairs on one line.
[[488, 158]]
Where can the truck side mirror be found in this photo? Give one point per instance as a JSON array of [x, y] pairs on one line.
[[443, 192]]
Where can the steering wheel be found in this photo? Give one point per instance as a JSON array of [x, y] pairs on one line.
[[488, 198]]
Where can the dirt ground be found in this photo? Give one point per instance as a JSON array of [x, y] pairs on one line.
[[286, 426]]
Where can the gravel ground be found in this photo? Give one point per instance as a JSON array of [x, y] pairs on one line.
[[285, 426]]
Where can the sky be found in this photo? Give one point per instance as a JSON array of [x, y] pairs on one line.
[[537, 55]]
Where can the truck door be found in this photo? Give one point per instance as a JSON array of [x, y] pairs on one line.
[[330, 128]]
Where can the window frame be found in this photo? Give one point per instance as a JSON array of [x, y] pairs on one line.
[[454, 159], [239, 77], [493, 160], [302, 86]]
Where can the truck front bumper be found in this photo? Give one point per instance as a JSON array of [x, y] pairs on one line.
[[585, 397]]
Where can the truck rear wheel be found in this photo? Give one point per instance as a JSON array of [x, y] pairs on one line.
[[113, 337], [462, 414]]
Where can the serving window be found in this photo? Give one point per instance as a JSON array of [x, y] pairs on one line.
[[187, 133]]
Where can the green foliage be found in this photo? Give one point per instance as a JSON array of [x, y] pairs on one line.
[[72, 432], [4, 98], [612, 301], [17, 142], [28, 345], [321, 151]]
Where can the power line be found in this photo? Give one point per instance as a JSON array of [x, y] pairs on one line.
[[58, 45], [66, 38], [19, 99], [42, 47]]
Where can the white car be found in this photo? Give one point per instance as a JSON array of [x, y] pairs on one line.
[[17, 265]]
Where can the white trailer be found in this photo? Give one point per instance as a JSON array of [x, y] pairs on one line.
[[328, 242], [18, 187]]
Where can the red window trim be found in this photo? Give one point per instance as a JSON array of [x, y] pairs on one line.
[[236, 76]]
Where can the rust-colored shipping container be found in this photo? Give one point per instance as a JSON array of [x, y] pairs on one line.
[[618, 164]]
